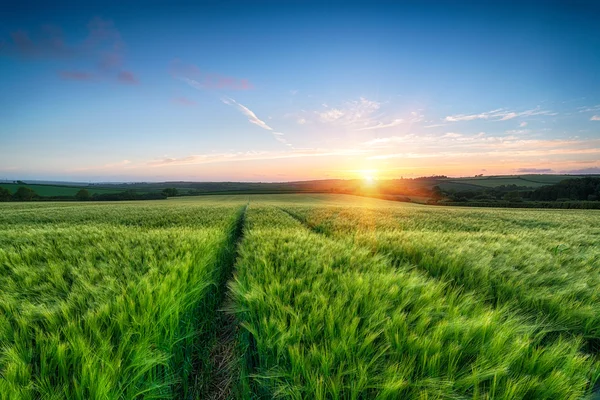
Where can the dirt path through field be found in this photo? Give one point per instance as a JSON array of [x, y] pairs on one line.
[[223, 362]]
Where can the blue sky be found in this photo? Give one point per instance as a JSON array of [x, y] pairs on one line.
[[271, 91]]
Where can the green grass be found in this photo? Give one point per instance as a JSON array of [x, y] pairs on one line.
[[110, 302], [334, 297]]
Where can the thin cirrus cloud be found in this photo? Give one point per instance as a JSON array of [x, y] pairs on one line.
[[103, 49], [127, 77], [595, 118], [535, 170], [360, 115], [193, 76], [499, 114], [251, 156], [253, 119]]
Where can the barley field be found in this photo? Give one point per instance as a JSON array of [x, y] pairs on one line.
[[297, 297]]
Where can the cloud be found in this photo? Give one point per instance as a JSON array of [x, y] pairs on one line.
[[250, 156], [183, 101], [595, 118], [127, 77], [357, 112], [534, 170], [76, 75], [584, 171], [381, 125], [499, 114], [193, 76], [48, 42], [301, 121], [518, 131], [434, 125], [362, 114], [594, 109], [253, 119], [102, 47], [452, 135], [523, 124]]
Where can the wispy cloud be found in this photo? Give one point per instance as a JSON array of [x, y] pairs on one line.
[[534, 170], [595, 118], [360, 115], [103, 49], [593, 109], [193, 76], [250, 156], [523, 124], [499, 114], [452, 135], [381, 125], [127, 77], [253, 119], [583, 171]]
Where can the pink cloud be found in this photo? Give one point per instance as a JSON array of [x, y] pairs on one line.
[[75, 75], [47, 43], [192, 75], [103, 49], [184, 101], [127, 77]]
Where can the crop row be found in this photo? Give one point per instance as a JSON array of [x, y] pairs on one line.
[[327, 319]]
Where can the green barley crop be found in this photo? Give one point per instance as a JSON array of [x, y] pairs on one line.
[[334, 297], [110, 301], [324, 318]]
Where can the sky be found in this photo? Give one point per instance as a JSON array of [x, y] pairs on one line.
[[290, 90]]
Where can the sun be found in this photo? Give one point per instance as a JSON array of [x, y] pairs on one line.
[[369, 175]]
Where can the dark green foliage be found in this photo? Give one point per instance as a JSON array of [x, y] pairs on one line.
[[24, 194], [128, 195], [170, 192], [83, 195], [5, 194], [574, 189]]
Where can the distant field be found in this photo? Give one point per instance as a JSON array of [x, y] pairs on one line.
[[57, 190], [533, 181], [414, 189], [330, 297]]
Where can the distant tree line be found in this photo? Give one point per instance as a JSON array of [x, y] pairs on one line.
[[27, 194], [569, 193]]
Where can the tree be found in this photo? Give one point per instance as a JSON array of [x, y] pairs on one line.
[[513, 196], [83, 195], [170, 192], [24, 194], [4, 194]]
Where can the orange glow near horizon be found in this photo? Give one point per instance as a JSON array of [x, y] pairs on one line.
[[369, 176]]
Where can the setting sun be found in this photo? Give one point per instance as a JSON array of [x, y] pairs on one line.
[[369, 175]]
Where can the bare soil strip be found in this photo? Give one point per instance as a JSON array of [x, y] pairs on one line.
[[223, 356]]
